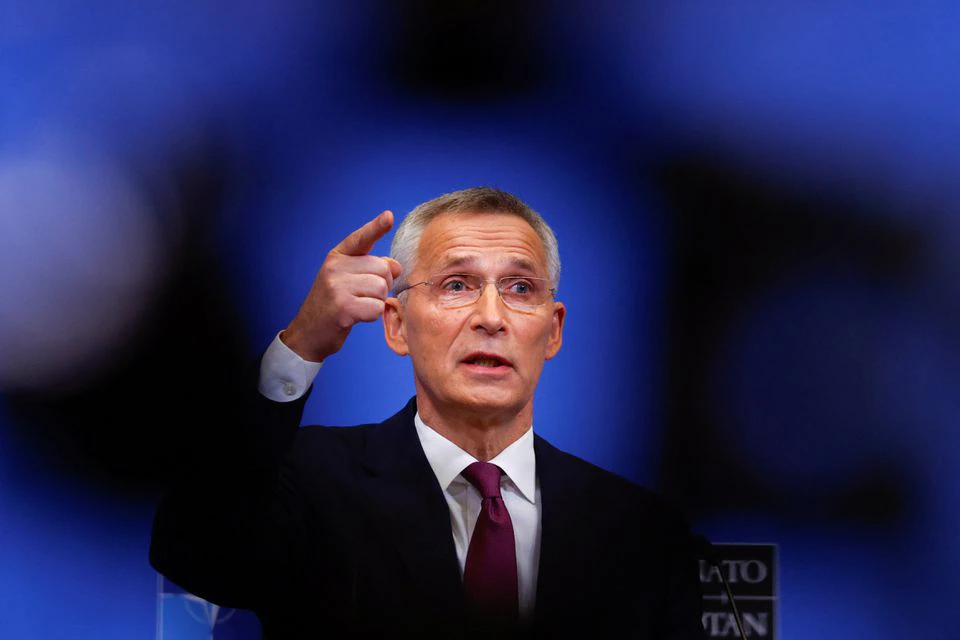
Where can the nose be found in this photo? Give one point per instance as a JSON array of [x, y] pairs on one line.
[[489, 311]]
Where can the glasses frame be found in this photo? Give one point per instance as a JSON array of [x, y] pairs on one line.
[[483, 283]]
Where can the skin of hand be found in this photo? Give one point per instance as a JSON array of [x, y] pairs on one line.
[[350, 287]]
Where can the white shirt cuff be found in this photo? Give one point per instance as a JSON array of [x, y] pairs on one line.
[[285, 376]]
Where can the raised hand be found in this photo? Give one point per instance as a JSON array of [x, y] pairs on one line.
[[350, 287]]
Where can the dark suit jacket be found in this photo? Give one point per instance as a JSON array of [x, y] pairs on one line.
[[343, 531]]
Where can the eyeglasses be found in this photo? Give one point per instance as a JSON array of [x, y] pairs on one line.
[[520, 293]]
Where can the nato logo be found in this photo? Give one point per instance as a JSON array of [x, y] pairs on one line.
[[184, 616], [751, 571]]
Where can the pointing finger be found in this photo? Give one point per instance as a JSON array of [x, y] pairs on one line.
[[361, 241]]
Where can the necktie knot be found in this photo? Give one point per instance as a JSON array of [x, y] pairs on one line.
[[485, 477]]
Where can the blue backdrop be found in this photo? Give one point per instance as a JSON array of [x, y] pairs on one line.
[[755, 206]]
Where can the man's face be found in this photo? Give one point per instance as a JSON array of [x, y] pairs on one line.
[[446, 344]]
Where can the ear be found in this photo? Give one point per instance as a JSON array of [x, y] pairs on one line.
[[556, 330], [393, 328]]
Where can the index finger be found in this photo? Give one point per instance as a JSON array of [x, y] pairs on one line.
[[361, 241]]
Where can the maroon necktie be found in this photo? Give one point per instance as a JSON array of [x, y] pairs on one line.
[[490, 573]]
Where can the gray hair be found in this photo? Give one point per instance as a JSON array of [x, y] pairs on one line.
[[406, 241]]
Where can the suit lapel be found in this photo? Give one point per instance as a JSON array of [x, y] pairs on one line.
[[411, 510], [564, 512], [413, 514]]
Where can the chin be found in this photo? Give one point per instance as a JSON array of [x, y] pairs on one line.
[[492, 401]]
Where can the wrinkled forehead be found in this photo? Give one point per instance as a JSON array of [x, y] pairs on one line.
[[481, 242], [473, 263]]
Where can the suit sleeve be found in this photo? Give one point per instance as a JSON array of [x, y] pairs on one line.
[[229, 517]]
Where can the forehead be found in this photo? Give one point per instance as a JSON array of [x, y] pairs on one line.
[[481, 240]]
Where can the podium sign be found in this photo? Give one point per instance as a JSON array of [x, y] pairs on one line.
[[751, 570], [184, 616]]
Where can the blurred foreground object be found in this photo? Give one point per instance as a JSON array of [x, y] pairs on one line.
[[80, 258]]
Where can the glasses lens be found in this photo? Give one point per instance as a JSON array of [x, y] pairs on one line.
[[517, 292], [524, 293], [457, 290]]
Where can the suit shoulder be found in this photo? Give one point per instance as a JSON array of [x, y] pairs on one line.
[[315, 443], [319, 441], [311, 434], [613, 493], [318, 433]]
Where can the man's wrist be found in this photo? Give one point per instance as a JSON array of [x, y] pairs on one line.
[[304, 344]]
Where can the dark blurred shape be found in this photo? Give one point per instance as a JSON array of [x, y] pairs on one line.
[[735, 238], [878, 496], [81, 253], [468, 50], [161, 406]]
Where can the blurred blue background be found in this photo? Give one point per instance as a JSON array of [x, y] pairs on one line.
[[756, 209]]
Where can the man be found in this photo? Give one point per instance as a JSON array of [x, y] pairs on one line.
[[450, 518]]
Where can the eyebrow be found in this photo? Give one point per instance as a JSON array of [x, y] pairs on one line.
[[521, 264]]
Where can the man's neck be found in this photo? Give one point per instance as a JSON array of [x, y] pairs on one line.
[[481, 434]]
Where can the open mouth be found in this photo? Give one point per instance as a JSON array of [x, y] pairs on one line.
[[486, 360]]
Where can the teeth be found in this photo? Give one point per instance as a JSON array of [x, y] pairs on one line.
[[485, 362]]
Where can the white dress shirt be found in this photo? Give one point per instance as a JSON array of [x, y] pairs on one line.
[[285, 376], [521, 496]]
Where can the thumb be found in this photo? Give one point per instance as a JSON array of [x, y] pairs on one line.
[[395, 267]]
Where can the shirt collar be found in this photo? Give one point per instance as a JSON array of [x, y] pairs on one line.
[[447, 459]]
